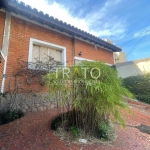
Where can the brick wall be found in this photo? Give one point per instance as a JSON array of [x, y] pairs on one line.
[[1, 69], [2, 24], [88, 51], [20, 33]]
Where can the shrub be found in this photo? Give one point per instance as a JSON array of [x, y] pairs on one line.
[[56, 122], [75, 130], [93, 100], [8, 116], [143, 98], [3, 94], [139, 86], [15, 114], [105, 131]]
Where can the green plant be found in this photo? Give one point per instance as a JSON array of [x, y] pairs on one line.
[[143, 98], [4, 117], [75, 130], [105, 131], [92, 100], [8, 116], [3, 94], [13, 115], [139, 86], [56, 122]]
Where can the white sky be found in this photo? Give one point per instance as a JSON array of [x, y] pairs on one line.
[[62, 13]]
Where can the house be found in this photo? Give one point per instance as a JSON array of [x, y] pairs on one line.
[[133, 68], [119, 57], [31, 33]]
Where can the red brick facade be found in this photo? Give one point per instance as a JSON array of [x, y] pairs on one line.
[[20, 33], [89, 52], [2, 23]]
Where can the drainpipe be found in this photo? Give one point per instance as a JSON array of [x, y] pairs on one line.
[[4, 75], [95, 47], [73, 50], [5, 44], [114, 59]]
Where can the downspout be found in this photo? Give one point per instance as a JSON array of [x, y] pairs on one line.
[[73, 50], [95, 47], [5, 44], [4, 75], [114, 59]]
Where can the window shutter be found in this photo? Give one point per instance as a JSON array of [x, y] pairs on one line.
[[43, 54], [56, 54], [36, 53]]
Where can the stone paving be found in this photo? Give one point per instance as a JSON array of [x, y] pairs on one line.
[[32, 132]]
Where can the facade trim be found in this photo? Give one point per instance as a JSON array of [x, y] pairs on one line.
[[79, 58]]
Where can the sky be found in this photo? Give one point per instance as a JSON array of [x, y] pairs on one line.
[[126, 23]]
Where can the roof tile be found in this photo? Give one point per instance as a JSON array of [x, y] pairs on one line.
[[20, 7]]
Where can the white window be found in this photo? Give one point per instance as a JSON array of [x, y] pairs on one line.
[[44, 52]]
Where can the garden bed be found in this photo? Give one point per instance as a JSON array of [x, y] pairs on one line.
[[66, 130]]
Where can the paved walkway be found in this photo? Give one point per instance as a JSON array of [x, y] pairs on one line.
[[142, 107], [32, 132]]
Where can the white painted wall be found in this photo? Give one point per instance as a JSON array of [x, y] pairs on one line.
[[133, 68], [119, 57]]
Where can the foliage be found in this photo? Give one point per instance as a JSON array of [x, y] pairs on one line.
[[143, 98], [16, 114], [56, 122], [3, 94], [92, 100], [105, 131], [139, 86], [75, 130], [8, 116], [26, 75]]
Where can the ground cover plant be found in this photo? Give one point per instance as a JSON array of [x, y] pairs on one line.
[[91, 101]]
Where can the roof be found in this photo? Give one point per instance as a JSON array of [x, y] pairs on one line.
[[39, 16]]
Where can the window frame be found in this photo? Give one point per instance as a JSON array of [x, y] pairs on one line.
[[46, 44]]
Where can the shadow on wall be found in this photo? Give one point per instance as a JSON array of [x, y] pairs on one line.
[[133, 68]]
